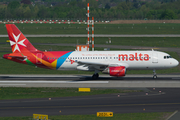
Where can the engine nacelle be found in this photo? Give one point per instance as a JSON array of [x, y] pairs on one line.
[[118, 71]]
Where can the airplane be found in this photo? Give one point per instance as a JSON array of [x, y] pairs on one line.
[[114, 63]]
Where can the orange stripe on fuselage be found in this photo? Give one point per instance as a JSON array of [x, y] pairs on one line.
[[44, 62]]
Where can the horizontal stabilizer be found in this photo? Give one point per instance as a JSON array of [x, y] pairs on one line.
[[16, 56]]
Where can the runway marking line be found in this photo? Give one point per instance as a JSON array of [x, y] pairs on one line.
[[172, 114], [54, 82], [92, 106], [11, 84]]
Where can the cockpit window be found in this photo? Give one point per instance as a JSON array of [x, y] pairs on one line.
[[167, 57]]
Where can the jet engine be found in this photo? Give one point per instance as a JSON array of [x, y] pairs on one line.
[[118, 71]]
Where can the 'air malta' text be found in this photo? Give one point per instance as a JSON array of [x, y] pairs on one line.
[[132, 57]]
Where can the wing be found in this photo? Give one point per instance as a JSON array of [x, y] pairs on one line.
[[91, 66], [92, 63]]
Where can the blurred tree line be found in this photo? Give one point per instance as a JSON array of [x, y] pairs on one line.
[[119, 9]]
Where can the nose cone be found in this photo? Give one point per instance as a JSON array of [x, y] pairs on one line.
[[175, 63]]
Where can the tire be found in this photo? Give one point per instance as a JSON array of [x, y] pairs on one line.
[[155, 77], [95, 76]]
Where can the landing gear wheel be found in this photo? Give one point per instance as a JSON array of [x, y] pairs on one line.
[[95, 76], [155, 76]]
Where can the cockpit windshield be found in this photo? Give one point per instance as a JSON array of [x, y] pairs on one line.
[[167, 57]]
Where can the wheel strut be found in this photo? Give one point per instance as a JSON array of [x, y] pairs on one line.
[[154, 74]]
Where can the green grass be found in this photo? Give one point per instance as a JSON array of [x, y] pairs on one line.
[[25, 93], [122, 116], [145, 28], [135, 41]]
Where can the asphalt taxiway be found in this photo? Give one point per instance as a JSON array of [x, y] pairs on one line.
[[165, 101]]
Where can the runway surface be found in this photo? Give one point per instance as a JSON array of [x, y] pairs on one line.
[[104, 81], [100, 35], [166, 101]]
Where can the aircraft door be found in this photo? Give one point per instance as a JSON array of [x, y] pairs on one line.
[[39, 58], [154, 58]]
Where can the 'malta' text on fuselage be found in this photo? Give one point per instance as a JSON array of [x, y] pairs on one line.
[[134, 57]]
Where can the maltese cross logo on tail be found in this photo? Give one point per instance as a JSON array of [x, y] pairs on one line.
[[17, 42]]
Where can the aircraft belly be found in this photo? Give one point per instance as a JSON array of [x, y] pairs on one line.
[[139, 65]]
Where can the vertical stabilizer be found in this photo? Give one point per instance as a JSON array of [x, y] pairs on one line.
[[18, 42]]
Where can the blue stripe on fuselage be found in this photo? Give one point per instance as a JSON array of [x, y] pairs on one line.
[[60, 60]]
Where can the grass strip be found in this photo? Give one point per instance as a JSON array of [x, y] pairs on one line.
[[25, 93], [142, 41], [134, 41], [120, 116], [145, 28]]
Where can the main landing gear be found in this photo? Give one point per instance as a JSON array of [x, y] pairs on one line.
[[154, 76], [95, 76]]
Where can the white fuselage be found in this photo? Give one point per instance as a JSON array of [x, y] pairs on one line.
[[129, 59]]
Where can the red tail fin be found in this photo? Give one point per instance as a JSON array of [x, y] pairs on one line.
[[18, 42]]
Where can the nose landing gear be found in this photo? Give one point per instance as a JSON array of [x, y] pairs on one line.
[[154, 76]]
